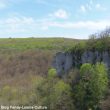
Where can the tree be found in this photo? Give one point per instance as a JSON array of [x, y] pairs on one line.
[[55, 93], [63, 96], [99, 41], [91, 86]]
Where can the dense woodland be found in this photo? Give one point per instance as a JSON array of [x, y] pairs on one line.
[[27, 78]]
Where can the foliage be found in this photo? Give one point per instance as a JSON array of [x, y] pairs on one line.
[[10, 95], [55, 93], [91, 86], [98, 41], [59, 94], [79, 47], [52, 73]]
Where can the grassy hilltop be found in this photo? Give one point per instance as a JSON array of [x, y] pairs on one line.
[[36, 43]]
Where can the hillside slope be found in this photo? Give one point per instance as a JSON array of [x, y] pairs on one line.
[[24, 56]]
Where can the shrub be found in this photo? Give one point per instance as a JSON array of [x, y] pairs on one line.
[[52, 73]]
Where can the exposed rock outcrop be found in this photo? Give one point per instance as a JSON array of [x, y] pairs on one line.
[[63, 62]]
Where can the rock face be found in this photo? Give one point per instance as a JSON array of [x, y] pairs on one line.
[[63, 62]]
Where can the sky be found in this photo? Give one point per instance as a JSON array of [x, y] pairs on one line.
[[53, 18]]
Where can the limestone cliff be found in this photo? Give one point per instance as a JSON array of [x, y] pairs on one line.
[[63, 62]]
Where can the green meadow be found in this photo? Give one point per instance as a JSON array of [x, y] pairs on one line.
[[36, 43]]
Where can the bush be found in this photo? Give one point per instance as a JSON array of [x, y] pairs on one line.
[[52, 73]]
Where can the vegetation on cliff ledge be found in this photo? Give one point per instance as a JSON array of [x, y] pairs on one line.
[[98, 41]]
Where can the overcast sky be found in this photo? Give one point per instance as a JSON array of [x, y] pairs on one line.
[[53, 18]]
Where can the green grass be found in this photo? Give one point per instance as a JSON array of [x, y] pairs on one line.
[[36, 43]]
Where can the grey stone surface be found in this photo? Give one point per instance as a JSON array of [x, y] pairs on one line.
[[87, 57], [106, 58], [63, 62], [68, 62]]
